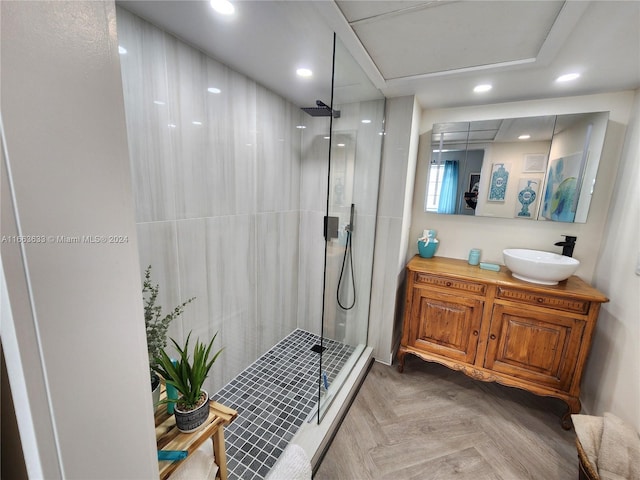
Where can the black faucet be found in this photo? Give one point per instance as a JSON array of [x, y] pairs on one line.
[[568, 245]]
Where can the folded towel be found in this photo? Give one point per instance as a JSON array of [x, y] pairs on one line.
[[198, 465]]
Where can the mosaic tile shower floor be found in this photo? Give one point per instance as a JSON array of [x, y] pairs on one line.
[[274, 396]]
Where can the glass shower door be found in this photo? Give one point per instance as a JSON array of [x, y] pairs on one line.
[[357, 128]]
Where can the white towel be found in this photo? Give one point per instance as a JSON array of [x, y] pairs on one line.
[[619, 455], [293, 464], [612, 447], [199, 465]]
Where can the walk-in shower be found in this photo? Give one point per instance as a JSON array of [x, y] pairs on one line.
[[231, 196]]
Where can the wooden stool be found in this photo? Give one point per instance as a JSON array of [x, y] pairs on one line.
[[168, 437]]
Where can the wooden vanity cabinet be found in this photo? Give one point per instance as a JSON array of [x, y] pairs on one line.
[[496, 328]]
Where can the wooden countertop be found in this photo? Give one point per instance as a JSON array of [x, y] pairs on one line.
[[574, 286]]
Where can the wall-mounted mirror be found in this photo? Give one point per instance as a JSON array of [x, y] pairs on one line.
[[531, 168]]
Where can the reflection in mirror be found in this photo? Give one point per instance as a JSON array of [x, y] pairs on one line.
[[528, 168]]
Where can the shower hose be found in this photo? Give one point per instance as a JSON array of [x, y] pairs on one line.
[[347, 251]]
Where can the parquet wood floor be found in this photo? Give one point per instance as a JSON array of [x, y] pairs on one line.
[[432, 423]]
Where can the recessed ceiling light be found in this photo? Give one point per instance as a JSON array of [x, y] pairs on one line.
[[366, 120], [213, 90], [121, 50], [195, 122], [172, 125], [300, 126], [159, 102], [524, 137], [485, 87], [304, 72], [341, 144], [326, 138], [223, 7], [567, 77]]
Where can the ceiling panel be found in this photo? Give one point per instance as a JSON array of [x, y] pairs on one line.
[[539, 128], [355, 11], [456, 35]]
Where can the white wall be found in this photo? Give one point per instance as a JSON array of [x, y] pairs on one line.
[[399, 156], [612, 378], [78, 327]]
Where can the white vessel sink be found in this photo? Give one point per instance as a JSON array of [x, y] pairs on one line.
[[537, 266]]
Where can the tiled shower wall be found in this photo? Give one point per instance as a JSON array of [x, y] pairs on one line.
[[217, 185]]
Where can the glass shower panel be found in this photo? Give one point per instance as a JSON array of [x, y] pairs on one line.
[[357, 127]]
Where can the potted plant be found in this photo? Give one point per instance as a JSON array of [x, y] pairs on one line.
[[188, 376], [156, 325]]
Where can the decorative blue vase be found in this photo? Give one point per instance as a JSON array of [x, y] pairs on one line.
[[427, 250]]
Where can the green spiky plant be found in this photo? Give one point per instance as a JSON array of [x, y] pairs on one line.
[[156, 323], [187, 376]]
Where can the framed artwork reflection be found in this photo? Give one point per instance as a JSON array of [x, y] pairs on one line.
[[499, 179], [534, 163], [563, 187]]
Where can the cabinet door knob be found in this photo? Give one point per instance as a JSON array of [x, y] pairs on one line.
[[448, 284], [492, 336], [475, 333], [540, 299]]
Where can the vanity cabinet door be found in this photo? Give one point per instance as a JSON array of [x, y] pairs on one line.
[[538, 346], [447, 325]]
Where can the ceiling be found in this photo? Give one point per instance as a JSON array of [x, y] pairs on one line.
[[506, 130], [436, 50]]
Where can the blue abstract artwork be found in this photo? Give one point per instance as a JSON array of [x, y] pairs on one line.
[[562, 189]]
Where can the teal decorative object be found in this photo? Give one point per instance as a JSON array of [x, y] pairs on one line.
[[427, 250], [428, 244], [474, 256], [172, 392], [499, 179], [526, 197]]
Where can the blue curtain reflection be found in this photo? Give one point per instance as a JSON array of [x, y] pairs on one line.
[[449, 191]]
